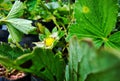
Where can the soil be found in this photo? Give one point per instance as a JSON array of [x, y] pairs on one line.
[[12, 75]]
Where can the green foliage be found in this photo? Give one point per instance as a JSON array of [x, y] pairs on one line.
[[31, 4], [11, 52], [94, 19], [85, 62], [111, 74], [5, 6], [48, 11], [49, 59], [114, 40], [43, 63], [17, 26]]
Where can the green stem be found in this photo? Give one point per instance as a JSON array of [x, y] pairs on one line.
[[18, 45], [3, 20], [54, 20], [64, 28]]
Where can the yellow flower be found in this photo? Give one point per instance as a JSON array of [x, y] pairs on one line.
[[85, 9], [49, 41]]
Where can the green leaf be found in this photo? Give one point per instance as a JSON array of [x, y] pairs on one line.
[[74, 58], [84, 60], [9, 52], [31, 4], [1, 1], [6, 4], [98, 43], [22, 25], [16, 10], [41, 37], [47, 32], [54, 29], [111, 74], [15, 34], [33, 7], [52, 5], [114, 40], [94, 18], [42, 63], [67, 73]]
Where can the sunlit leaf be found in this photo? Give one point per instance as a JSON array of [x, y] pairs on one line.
[[16, 10], [15, 34], [22, 25], [94, 18]]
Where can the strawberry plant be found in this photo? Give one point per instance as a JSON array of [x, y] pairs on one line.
[[60, 40]]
